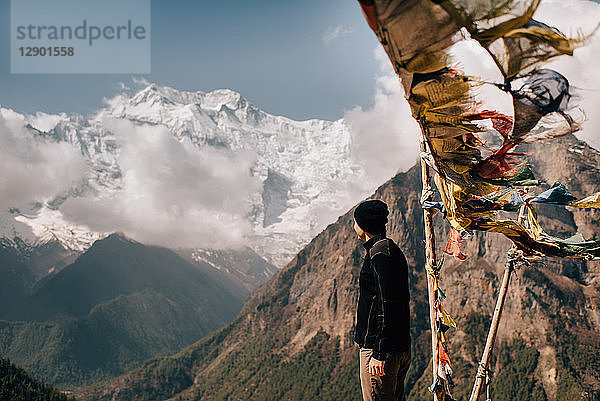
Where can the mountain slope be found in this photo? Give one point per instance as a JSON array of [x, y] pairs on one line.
[[25, 268], [15, 279], [292, 339], [119, 303], [240, 270], [116, 266], [16, 384]]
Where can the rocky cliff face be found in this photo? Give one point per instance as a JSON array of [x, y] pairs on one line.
[[292, 339]]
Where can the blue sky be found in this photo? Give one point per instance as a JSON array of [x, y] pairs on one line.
[[301, 59]]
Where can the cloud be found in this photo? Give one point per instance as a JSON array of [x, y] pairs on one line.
[[334, 33], [140, 81], [473, 60], [173, 193], [385, 136], [34, 167], [573, 17]]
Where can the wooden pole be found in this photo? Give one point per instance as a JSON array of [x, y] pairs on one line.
[[430, 260], [489, 344], [491, 338]]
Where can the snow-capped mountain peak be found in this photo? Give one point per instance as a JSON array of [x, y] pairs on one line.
[[218, 98], [305, 166]]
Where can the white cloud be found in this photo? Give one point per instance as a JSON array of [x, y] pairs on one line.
[[469, 57], [334, 33], [33, 168], [173, 193], [140, 81], [573, 17], [385, 136]]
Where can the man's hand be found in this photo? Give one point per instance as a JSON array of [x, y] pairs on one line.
[[376, 367]]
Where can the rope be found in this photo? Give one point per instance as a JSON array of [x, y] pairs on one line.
[[484, 373], [487, 388], [434, 271], [426, 194]]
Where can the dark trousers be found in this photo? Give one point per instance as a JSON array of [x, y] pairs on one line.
[[389, 387]]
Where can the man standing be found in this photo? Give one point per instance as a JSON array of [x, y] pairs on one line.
[[383, 312]]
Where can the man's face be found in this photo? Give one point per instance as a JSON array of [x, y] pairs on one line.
[[359, 231]]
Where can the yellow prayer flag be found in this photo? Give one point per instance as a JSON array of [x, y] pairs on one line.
[[592, 201], [446, 318]]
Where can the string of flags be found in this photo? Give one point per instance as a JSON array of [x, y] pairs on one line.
[[533, 241], [443, 322]]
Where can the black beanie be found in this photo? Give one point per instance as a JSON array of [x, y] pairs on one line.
[[371, 216]]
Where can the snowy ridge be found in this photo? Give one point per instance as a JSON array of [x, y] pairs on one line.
[[49, 226]]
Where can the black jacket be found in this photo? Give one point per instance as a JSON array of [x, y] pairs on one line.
[[383, 313]]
